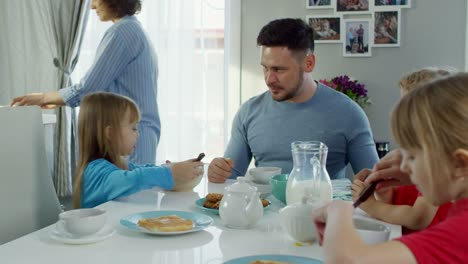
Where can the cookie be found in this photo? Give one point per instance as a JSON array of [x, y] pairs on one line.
[[265, 202], [208, 204], [214, 197]]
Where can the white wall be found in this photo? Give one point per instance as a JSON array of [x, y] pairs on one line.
[[466, 42], [433, 33]]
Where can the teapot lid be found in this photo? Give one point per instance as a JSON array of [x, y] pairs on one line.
[[241, 185]]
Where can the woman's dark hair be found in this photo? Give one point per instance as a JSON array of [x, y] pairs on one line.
[[292, 33], [122, 8]]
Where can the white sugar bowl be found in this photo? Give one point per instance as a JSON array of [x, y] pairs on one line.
[[240, 206]]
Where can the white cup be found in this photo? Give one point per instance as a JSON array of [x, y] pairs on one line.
[[296, 220], [82, 222], [371, 231]]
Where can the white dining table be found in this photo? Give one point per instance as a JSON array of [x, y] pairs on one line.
[[212, 245]]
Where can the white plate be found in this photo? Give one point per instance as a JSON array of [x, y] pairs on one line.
[[200, 221], [68, 238]]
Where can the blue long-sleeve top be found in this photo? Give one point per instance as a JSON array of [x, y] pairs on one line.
[[125, 64], [264, 129], [103, 181]]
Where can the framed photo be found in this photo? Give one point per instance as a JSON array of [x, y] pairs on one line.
[[353, 6], [327, 29], [387, 28], [359, 36], [392, 3], [320, 4]]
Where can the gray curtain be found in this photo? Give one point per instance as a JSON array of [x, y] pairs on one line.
[[68, 21], [25, 49], [35, 37]]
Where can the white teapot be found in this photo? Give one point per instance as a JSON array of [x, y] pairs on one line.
[[241, 206]]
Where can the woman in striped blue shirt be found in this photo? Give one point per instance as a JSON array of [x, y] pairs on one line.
[[125, 64]]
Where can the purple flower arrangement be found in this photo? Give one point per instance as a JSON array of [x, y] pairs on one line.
[[352, 88]]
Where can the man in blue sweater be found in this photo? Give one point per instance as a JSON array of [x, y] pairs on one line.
[[295, 108]]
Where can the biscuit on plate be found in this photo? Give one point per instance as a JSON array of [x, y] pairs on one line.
[[167, 223], [208, 204], [214, 197], [265, 202]]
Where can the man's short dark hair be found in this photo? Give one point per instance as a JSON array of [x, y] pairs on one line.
[[122, 8], [292, 33]]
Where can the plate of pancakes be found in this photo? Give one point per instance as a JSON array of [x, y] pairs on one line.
[[166, 222]]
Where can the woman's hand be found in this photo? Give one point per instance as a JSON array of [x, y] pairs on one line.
[[28, 99], [44, 100]]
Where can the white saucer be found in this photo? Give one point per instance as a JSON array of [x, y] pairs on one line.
[[68, 238]]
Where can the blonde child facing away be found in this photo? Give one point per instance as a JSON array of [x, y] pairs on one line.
[[107, 132], [434, 149], [403, 205]]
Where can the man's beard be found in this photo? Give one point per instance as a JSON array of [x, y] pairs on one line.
[[292, 93]]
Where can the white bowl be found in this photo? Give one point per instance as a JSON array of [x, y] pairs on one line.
[[263, 174], [82, 222], [371, 231], [296, 220]]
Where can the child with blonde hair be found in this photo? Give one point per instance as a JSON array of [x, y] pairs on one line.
[[107, 133], [410, 81], [404, 205], [434, 149]]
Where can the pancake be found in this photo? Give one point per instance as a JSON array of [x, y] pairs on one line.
[[167, 223]]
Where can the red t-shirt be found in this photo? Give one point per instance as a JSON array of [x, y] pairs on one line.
[[443, 243], [407, 195]]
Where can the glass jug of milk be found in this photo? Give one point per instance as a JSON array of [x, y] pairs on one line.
[[309, 182]]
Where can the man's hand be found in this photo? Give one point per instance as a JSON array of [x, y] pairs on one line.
[[220, 169]]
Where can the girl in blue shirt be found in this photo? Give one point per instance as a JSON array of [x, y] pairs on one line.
[[107, 132]]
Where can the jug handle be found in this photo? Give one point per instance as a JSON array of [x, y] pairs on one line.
[[313, 195]]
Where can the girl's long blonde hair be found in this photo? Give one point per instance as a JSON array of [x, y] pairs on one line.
[[97, 112], [434, 118]]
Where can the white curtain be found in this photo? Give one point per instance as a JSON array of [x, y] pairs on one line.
[[188, 36]]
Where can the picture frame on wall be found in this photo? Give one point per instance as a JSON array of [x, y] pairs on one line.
[[320, 4], [327, 29], [392, 3], [387, 26], [358, 37], [353, 6]]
